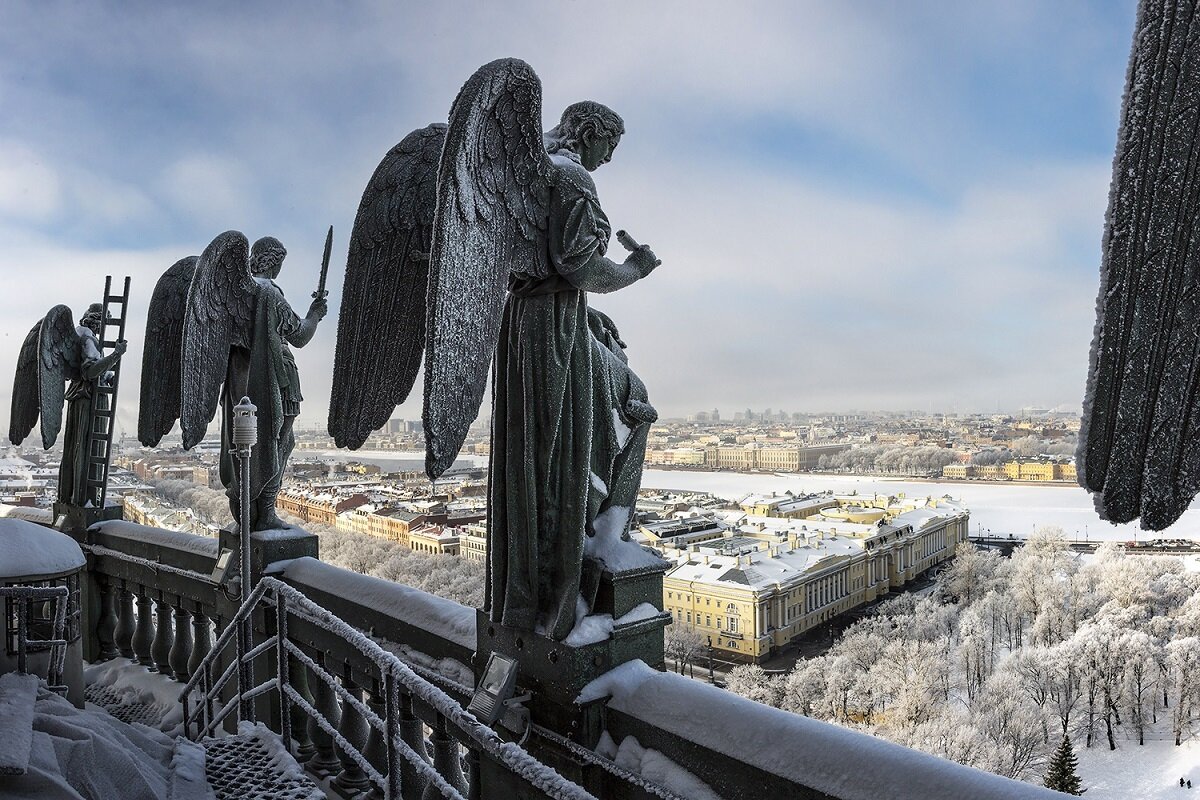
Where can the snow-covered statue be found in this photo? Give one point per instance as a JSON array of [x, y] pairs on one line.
[[218, 329], [500, 273], [1139, 445], [62, 363]]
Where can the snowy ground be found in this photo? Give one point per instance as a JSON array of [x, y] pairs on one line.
[[995, 507], [1149, 772]]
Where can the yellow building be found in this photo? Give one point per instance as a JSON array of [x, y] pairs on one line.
[[472, 542], [768, 580]]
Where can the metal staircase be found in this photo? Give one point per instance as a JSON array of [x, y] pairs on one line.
[[104, 399]]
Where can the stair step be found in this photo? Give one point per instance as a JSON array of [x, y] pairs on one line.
[[18, 691], [255, 764], [186, 780]]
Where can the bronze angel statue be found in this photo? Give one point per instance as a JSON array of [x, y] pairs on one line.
[[478, 242], [61, 363], [219, 329]]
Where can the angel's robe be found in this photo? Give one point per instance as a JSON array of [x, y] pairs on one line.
[[569, 425], [269, 377], [72, 472]]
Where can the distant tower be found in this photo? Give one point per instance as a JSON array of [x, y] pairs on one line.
[[716, 415]]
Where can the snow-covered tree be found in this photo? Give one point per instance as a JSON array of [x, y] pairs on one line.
[[682, 644], [752, 682]]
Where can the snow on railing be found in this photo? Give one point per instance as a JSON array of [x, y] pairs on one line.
[[397, 679]]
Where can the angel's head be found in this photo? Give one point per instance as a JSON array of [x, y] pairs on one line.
[[590, 130], [266, 257], [92, 318]]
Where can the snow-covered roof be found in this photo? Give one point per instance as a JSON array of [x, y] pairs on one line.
[[27, 549]]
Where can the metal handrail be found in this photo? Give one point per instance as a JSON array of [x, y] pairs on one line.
[[396, 677], [57, 644]]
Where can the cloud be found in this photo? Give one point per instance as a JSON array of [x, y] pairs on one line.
[[29, 188], [855, 206]]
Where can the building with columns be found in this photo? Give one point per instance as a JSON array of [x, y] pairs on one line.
[[766, 580]]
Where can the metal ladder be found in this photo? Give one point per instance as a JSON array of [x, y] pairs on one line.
[[104, 400]]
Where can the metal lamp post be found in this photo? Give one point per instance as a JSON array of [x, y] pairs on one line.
[[245, 435]]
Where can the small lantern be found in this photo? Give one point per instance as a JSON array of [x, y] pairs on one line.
[[245, 427]]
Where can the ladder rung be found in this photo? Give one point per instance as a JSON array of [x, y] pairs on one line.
[[108, 343], [116, 299]]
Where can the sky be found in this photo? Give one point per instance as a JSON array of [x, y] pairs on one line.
[[867, 205]]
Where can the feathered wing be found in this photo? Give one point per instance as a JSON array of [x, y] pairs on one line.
[[219, 315], [25, 397], [162, 357], [58, 362], [381, 326], [1139, 446], [492, 213]]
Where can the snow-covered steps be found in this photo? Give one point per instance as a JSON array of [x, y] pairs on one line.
[[187, 780], [18, 692], [132, 693], [255, 764]]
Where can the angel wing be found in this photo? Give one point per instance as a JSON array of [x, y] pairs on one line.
[[162, 357], [49, 357], [381, 325], [1139, 445], [219, 315], [492, 214], [26, 399]]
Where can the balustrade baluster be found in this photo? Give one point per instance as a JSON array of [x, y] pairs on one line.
[[143, 635], [353, 727], [126, 623], [107, 623], [298, 678], [181, 648], [375, 750], [202, 641], [325, 760], [412, 731], [446, 760], [164, 637], [474, 789]]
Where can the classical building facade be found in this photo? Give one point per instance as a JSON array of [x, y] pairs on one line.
[[766, 580]]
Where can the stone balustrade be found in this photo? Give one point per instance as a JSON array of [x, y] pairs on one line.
[[149, 595]]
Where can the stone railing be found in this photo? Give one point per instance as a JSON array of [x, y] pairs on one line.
[[150, 595]]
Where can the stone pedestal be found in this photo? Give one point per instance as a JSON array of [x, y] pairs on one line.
[[75, 520], [267, 547], [554, 672]]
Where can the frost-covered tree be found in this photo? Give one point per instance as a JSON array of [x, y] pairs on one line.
[[682, 644], [1013, 726], [970, 574], [1183, 662], [752, 682]]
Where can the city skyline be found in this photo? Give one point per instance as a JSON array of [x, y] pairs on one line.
[[857, 207]]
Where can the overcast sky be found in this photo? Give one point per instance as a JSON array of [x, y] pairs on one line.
[[857, 205]]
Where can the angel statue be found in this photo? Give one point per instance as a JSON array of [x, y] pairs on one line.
[[58, 352], [218, 329], [491, 233]]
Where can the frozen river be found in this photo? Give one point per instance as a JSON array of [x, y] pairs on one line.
[[999, 508], [995, 507]]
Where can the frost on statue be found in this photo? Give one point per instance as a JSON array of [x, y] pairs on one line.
[[218, 330], [1139, 446], [497, 229], [62, 363]]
